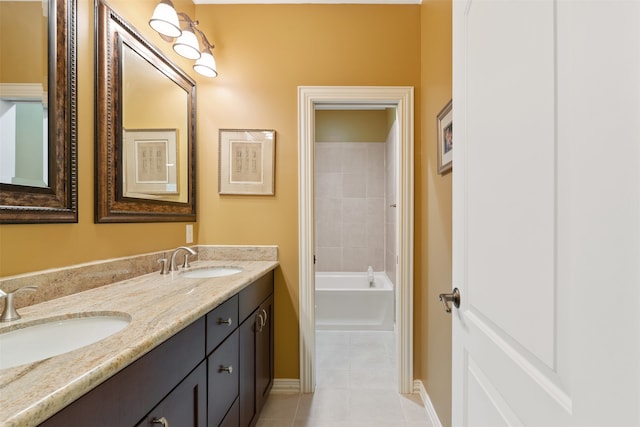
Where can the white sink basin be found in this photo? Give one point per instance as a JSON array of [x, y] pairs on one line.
[[205, 272], [38, 341]]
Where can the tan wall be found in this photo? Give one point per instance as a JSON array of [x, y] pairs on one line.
[[264, 52], [433, 214], [351, 126], [21, 30]]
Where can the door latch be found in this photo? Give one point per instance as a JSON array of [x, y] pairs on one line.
[[453, 297]]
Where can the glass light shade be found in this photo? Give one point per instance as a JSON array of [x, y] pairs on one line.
[[187, 45], [165, 20], [206, 65]]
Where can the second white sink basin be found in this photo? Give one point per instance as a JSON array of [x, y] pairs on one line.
[[205, 272], [51, 337]]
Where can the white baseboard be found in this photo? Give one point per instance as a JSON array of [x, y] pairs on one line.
[[418, 387], [285, 386]]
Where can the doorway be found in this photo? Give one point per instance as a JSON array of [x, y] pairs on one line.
[[400, 99]]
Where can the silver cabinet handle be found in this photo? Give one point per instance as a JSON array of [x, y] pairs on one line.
[[260, 323], [265, 317], [225, 322], [162, 420], [453, 297], [228, 369]]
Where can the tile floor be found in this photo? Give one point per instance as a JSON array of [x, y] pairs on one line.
[[355, 387]]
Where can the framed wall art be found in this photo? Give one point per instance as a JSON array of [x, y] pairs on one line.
[[150, 162], [445, 139], [246, 161]]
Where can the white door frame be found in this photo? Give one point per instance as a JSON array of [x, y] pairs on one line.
[[402, 99]]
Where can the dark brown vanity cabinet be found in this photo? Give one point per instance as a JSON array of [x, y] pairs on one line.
[[216, 373]]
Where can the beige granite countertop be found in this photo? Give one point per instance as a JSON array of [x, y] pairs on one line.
[[159, 307]]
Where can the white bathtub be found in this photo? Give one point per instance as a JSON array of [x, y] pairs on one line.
[[345, 301]]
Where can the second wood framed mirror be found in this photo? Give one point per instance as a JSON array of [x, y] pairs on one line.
[[145, 128]]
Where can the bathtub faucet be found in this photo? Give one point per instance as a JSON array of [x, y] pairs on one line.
[[370, 276]]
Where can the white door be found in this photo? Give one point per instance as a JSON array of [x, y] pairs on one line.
[[546, 206]]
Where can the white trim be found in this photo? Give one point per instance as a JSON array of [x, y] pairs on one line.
[[24, 92], [285, 386], [418, 387], [402, 99]]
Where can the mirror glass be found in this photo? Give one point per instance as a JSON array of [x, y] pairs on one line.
[[37, 112], [155, 121], [23, 100], [145, 129]]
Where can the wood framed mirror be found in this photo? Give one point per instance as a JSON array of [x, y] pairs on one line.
[[145, 128], [38, 129]]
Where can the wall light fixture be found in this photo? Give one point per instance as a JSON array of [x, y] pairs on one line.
[[183, 32]]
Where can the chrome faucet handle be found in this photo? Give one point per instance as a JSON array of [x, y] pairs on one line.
[[9, 313], [165, 265], [185, 263]]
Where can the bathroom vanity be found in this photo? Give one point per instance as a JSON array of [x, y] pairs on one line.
[[212, 373], [197, 352]]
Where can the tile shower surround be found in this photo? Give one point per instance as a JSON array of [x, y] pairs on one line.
[[351, 205], [59, 282]]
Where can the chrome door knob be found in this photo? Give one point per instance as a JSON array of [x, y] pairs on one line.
[[453, 297]]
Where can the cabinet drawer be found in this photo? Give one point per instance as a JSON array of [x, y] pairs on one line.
[[221, 321], [223, 379], [253, 295], [185, 406]]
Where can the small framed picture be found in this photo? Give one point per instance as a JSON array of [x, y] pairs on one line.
[[150, 162], [445, 139], [246, 161]]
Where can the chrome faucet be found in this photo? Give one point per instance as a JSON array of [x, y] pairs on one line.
[[185, 264], [9, 313]]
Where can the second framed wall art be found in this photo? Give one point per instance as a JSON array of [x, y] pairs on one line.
[[445, 138], [246, 161]]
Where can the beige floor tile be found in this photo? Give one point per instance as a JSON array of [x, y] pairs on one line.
[[316, 423], [332, 338], [325, 405], [332, 378], [363, 378], [375, 406], [281, 407], [273, 423], [413, 408], [356, 386]]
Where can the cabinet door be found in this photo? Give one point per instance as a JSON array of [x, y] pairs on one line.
[[256, 362], [247, 370], [185, 406], [232, 419], [264, 352]]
